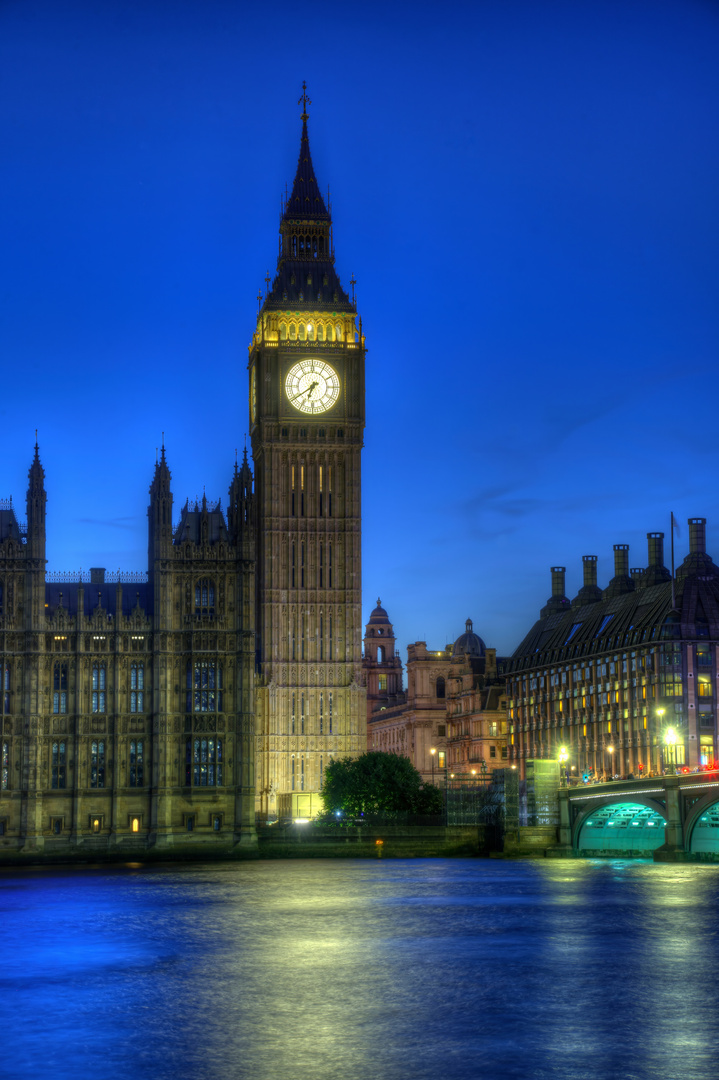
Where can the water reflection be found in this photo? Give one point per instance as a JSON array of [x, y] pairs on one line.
[[359, 970]]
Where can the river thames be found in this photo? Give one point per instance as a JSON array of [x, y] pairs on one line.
[[362, 970]]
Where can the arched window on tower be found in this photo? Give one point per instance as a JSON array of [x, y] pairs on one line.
[[330, 333], [321, 245], [59, 686], [205, 597], [137, 687], [294, 245], [293, 332], [440, 690], [283, 331], [98, 688], [380, 654], [320, 332], [314, 247]]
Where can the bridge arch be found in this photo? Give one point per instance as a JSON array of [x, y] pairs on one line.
[[701, 829], [634, 824]]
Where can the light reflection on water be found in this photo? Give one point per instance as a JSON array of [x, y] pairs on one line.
[[361, 970]]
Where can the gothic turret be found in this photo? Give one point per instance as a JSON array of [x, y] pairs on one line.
[[241, 510], [159, 512], [36, 500]]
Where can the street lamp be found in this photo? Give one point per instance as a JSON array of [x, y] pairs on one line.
[[433, 751], [610, 751], [660, 714], [670, 741], [563, 759]]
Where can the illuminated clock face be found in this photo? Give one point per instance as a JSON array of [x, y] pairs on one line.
[[312, 386], [253, 394]]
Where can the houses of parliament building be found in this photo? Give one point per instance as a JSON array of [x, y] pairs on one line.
[[176, 708]]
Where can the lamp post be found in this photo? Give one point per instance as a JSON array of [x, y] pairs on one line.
[[610, 751], [660, 714], [433, 751], [670, 741], [563, 759]]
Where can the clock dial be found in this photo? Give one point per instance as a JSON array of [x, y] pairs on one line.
[[312, 386], [253, 394]]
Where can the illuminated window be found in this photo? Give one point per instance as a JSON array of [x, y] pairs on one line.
[[59, 765], [203, 757], [136, 763], [98, 688], [97, 764], [135, 824], [59, 684], [204, 686], [205, 597], [441, 759], [137, 686], [704, 686], [5, 766]]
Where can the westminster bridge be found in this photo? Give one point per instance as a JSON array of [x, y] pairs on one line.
[[669, 818]]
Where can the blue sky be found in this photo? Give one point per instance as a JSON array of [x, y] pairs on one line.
[[526, 194]]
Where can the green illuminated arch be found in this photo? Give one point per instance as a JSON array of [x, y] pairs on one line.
[[705, 831], [623, 826]]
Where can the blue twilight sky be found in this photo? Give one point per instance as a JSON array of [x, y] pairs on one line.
[[526, 193]]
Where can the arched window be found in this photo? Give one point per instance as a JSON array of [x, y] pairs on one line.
[[321, 245], [294, 245], [59, 765], [283, 331], [302, 331], [205, 597], [380, 654], [293, 331], [440, 687], [330, 333], [338, 332], [137, 762], [5, 766], [204, 686], [292, 766], [322, 710], [320, 332], [98, 688], [203, 762], [59, 686], [97, 764], [137, 687], [5, 678], [314, 247]]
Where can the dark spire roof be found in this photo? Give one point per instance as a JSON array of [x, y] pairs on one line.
[[36, 474], [306, 200], [162, 477], [306, 279]]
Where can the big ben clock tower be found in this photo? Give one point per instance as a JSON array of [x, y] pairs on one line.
[[306, 371]]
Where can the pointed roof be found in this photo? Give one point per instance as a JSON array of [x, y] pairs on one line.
[[306, 199], [161, 479], [36, 475]]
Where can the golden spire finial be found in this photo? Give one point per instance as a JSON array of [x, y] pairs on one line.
[[304, 101]]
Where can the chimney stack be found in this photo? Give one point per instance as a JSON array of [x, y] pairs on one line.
[[621, 560], [557, 601], [697, 536], [621, 582], [590, 591], [656, 571]]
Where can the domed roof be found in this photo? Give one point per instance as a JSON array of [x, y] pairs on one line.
[[468, 642], [379, 615]]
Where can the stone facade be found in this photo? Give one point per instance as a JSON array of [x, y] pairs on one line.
[[306, 374], [127, 707], [454, 705], [606, 675]]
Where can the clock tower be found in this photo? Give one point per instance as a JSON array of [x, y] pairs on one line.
[[306, 372]]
